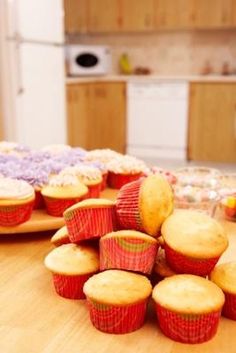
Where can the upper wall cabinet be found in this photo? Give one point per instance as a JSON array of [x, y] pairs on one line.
[[103, 16], [76, 16], [137, 15]]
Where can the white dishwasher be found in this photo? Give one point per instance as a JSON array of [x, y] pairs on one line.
[[157, 119]]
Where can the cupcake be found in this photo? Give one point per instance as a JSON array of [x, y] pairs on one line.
[[228, 206], [60, 237], [91, 218], [102, 155], [128, 250], [16, 201], [144, 204], [224, 276], [168, 175], [88, 175], [194, 242], [124, 170], [62, 192], [161, 268], [188, 308], [117, 300], [56, 149], [71, 266]]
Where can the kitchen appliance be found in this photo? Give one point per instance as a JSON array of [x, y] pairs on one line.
[[85, 60], [33, 71], [157, 119]]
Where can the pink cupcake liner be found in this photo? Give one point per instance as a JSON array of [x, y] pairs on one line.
[[88, 223], [56, 207], [127, 206], [13, 215], [185, 264], [127, 254], [38, 201], [116, 181], [117, 319], [70, 287], [188, 328], [229, 308]]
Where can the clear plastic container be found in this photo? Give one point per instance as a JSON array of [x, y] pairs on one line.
[[202, 177]]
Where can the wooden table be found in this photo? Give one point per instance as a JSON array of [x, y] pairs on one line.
[[34, 319]]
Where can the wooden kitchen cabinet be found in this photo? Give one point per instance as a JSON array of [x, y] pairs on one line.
[[96, 114], [137, 15], [212, 122], [103, 16], [76, 16]]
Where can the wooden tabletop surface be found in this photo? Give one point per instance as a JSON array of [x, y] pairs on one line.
[[34, 319]]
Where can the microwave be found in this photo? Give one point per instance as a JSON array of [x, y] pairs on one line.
[[86, 60]]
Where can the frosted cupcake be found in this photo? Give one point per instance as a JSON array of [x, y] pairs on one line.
[[117, 300], [188, 308], [194, 242], [224, 276], [16, 201], [55, 149], [128, 250], [91, 218], [60, 237], [144, 204], [88, 175], [102, 155], [62, 192], [124, 170], [71, 266]]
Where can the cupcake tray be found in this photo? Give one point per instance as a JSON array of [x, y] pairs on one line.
[[40, 221]]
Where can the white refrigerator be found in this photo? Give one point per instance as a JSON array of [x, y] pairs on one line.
[[33, 71]]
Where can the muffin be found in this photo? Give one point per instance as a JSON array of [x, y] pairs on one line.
[[91, 218], [161, 268], [188, 308], [88, 175], [71, 266], [123, 170], [224, 276], [61, 193], [60, 237], [194, 242], [144, 204], [128, 250], [117, 300], [16, 202], [228, 206]]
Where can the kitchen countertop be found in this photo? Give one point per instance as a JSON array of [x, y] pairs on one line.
[[36, 320], [150, 78]]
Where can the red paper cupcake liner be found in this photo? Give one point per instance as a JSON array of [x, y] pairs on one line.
[[70, 287], [127, 254], [127, 206], [116, 181], [94, 191], [88, 223], [56, 207], [188, 328], [185, 264], [38, 201], [13, 215], [104, 181], [229, 308], [117, 319]]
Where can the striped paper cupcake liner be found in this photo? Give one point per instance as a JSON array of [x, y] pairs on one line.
[[88, 223], [185, 264], [104, 181], [127, 206], [38, 201], [94, 191], [229, 308], [117, 319], [127, 254], [70, 287], [56, 207], [13, 215], [116, 181], [188, 328]]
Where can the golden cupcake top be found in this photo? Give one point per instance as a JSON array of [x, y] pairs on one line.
[[64, 186], [60, 235], [117, 287], [188, 294], [91, 203], [161, 267], [224, 276], [155, 203], [15, 191], [132, 234], [72, 259], [194, 234]]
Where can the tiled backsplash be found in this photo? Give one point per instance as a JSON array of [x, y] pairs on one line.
[[170, 53]]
